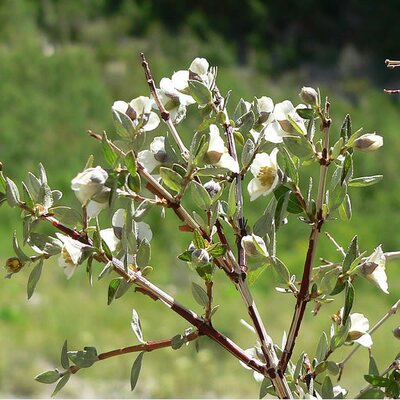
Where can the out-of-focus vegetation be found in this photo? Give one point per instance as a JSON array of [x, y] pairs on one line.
[[63, 63]]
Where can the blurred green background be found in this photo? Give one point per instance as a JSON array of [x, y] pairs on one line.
[[63, 63]]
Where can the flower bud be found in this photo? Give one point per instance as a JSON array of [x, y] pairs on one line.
[[212, 187], [13, 265], [248, 243], [200, 257], [368, 142], [309, 96], [396, 332]]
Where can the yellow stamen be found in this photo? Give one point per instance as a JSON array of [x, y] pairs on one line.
[[267, 176]]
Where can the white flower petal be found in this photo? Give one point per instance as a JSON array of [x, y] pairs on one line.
[[265, 104], [94, 208], [260, 160], [358, 323], [365, 340], [118, 219], [379, 277], [274, 133], [216, 144], [143, 231], [282, 110], [141, 104], [199, 66], [158, 144], [120, 105], [89, 183], [180, 80], [152, 122], [68, 268], [109, 237], [228, 162], [258, 376], [146, 158], [255, 189]]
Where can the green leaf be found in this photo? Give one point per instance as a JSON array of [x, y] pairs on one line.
[[42, 174], [365, 181], [108, 152], [351, 254], [241, 109], [199, 241], [83, 358], [18, 251], [254, 274], [123, 287], [348, 302], [296, 126], [200, 92], [322, 347], [333, 367], [34, 277], [47, 244], [281, 270], [353, 138], [372, 368], [345, 211], [299, 146], [34, 185], [143, 254], [48, 376], [337, 196], [199, 294], [248, 152], [327, 388], [232, 199], [329, 280], [67, 215], [130, 162], [3, 184], [136, 326], [45, 196], [288, 165], [171, 178], [217, 250], [306, 113], [123, 124], [89, 162], [13, 197], [64, 356], [340, 337], [61, 383], [106, 270], [347, 168], [377, 380], [265, 388], [177, 342], [345, 131], [134, 183], [27, 196], [294, 205], [135, 372], [337, 148], [245, 122], [186, 256], [112, 289], [374, 393], [200, 195]]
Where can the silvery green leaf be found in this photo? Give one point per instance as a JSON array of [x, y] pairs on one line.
[[135, 371], [67, 215], [112, 289], [365, 181], [210, 171], [171, 178], [64, 355], [327, 388], [299, 366], [57, 195], [347, 168], [108, 152], [48, 376], [281, 270], [232, 199], [345, 211], [241, 109], [333, 367], [337, 148], [130, 162], [136, 326], [106, 270], [322, 347], [264, 224], [34, 185], [348, 302], [3, 183], [345, 131], [199, 294], [141, 211], [329, 281], [45, 196], [351, 254], [200, 220], [248, 152], [177, 342], [27, 196], [18, 251], [134, 183], [143, 254], [288, 165], [265, 388], [83, 358], [122, 288], [61, 383], [13, 197], [299, 146], [47, 244], [372, 368], [200, 92], [34, 277], [245, 122], [123, 124], [254, 274], [42, 174], [200, 195]]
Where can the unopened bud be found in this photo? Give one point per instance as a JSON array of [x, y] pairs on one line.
[[248, 243], [200, 257], [396, 332], [13, 265], [368, 142], [309, 96], [212, 187]]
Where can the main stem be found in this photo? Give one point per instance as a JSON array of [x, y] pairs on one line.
[[302, 297]]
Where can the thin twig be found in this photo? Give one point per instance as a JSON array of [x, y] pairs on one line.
[[338, 247], [302, 297]]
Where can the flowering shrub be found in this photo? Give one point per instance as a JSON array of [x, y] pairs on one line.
[[263, 144]]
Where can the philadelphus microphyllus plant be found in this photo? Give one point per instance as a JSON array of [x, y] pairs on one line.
[[232, 184]]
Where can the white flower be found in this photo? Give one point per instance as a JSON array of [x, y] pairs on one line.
[[358, 332], [374, 269], [90, 190], [217, 153], [139, 113], [71, 254], [368, 142], [199, 66], [251, 248], [155, 156], [265, 171], [285, 110], [337, 390]]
